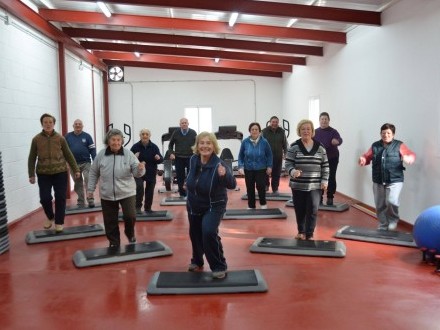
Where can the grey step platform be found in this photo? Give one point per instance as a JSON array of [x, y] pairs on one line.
[[245, 214], [167, 201], [272, 196], [153, 216], [337, 207], [130, 252], [76, 210], [164, 190], [203, 283], [293, 246], [376, 236], [50, 235]]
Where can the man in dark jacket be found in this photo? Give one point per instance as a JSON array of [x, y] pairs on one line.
[[148, 153], [276, 137], [180, 145]]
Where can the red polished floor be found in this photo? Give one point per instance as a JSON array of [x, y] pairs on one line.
[[374, 287]]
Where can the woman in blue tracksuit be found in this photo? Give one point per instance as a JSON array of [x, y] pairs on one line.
[[255, 161], [206, 185]]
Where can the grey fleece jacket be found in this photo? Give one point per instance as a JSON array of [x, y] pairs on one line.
[[116, 173]]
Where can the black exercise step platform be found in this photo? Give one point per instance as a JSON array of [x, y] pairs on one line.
[[272, 196], [50, 235], [293, 246], [376, 236], [250, 214], [173, 201], [130, 252], [336, 207], [151, 216], [203, 283], [84, 209]]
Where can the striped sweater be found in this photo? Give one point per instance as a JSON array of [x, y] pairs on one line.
[[52, 152], [313, 164]]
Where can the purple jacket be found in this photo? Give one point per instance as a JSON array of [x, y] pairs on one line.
[[325, 136]]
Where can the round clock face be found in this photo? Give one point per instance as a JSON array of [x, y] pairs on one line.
[[116, 73]]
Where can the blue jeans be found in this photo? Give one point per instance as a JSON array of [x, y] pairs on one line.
[[203, 231], [82, 182], [306, 210], [59, 184], [182, 168], [386, 199]]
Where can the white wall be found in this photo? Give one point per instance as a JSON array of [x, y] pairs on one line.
[[29, 87], [384, 74], [99, 109], [156, 99], [79, 93]]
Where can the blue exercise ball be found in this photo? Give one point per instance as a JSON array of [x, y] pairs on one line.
[[426, 231]]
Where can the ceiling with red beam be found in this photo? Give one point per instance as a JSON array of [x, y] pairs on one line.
[[268, 38]]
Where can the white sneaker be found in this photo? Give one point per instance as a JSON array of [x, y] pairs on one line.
[[48, 223], [219, 274], [392, 225], [263, 207]]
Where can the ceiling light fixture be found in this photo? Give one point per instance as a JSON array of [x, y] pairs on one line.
[[233, 19], [104, 8], [48, 4], [291, 22]]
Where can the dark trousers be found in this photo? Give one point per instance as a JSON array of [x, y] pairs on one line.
[[148, 192], [306, 210], [203, 231], [182, 168], [333, 166], [252, 179], [276, 174], [110, 210], [59, 184]]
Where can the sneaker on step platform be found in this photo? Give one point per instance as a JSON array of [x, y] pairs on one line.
[[194, 268], [300, 236], [392, 226], [59, 228], [219, 274], [48, 223], [330, 202]]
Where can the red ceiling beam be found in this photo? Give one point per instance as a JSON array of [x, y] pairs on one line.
[[266, 8], [25, 14], [82, 17], [178, 51], [165, 59], [194, 41], [168, 66]]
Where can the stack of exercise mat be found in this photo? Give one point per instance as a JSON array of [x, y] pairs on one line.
[[4, 236]]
